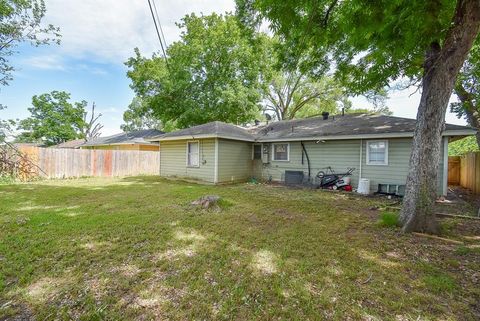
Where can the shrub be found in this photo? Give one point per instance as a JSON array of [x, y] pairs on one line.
[[389, 219]]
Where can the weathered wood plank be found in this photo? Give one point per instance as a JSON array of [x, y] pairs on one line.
[[65, 163]]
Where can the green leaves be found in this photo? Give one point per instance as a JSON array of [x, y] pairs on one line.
[[214, 74], [20, 22], [53, 119], [369, 42]]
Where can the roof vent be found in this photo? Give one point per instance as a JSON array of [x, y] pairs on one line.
[[325, 115]]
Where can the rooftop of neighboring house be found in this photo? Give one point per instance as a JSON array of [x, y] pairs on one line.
[[134, 137], [75, 143], [348, 126]]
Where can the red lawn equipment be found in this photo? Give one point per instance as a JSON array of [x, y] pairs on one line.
[[331, 180]]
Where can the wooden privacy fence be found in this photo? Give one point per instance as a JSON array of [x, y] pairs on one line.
[[64, 163], [465, 171]]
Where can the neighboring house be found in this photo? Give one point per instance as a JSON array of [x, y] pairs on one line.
[[73, 144], [377, 146], [135, 140]]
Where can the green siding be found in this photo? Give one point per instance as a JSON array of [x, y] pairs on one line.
[[234, 161], [173, 160], [338, 154], [397, 169]]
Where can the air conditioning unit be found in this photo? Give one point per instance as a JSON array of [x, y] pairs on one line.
[[266, 154]]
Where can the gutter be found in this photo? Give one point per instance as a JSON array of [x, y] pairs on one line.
[[463, 132]]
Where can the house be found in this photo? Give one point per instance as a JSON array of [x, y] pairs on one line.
[[377, 146], [73, 144], [135, 140]]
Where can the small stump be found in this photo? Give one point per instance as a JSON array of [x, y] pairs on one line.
[[207, 202]]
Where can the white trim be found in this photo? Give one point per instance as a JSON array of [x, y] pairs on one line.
[[215, 169], [368, 152], [445, 167], [198, 156], [159, 159], [273, 152]]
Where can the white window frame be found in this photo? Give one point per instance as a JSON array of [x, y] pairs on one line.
[[385, 163], [288, 152], [198, 156], [253, 151]]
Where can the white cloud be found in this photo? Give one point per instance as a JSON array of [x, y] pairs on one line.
[[46, 62], [108, 30]]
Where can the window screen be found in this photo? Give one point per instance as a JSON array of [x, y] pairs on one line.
[[280, 152], [257, 151], [377, 153], [193, 154]]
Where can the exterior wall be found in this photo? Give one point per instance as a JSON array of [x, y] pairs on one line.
[[396, 171], [234, 161], [173, 160], [124, 147], [342, 154]]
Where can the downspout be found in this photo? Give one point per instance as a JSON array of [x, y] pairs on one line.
[[308, 159], [361, 160]]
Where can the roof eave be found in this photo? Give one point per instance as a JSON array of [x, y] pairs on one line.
[[463, 132], [203, 136]]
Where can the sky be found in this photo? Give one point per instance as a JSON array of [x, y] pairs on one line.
[[98, 36]]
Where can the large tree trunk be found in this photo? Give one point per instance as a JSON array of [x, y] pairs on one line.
[[441, 67]]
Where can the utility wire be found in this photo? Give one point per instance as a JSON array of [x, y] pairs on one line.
[[159, 23], [158, 33]]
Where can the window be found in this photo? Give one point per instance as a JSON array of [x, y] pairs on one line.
[[280, 152], [193, 155], [257, 151], [377, 152]]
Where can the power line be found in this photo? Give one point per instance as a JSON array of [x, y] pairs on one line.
[[159, 23], [158, 33]]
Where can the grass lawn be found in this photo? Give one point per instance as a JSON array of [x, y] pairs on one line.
[[134, 249]]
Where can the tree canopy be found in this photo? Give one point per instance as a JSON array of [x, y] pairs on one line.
[[370, 42], [20, 22], [139, 116], [467, 89], [213, 73], [54, 119], [290, 95]]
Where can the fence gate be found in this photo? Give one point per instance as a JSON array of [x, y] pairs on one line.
[[454, 170]]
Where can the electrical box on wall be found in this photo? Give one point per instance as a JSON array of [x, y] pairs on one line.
[[266, 153]]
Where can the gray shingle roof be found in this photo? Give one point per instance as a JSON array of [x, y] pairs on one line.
[[134, 137], [350, 125], [215, 129], [76, 143]]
